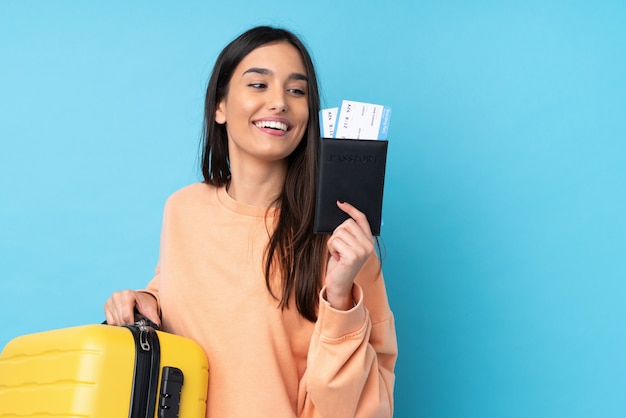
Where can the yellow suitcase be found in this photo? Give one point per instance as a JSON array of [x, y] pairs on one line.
[[103, 371]]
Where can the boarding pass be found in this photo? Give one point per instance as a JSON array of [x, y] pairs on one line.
[[355, 120]]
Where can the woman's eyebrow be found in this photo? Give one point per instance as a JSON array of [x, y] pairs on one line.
[[265, 71], [299, 76]]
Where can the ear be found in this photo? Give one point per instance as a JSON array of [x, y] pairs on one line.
[[220, 113]]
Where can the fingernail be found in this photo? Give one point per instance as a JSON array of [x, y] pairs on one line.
[[341, 201]]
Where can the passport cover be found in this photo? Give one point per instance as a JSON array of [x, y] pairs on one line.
[[353, 171]]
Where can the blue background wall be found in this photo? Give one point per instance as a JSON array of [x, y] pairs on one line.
[[504, 204]]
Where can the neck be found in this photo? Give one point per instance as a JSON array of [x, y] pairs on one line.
[[257, 186]]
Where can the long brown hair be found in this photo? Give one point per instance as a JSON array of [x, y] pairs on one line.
[[293, 250]]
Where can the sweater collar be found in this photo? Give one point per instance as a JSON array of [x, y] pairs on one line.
[[228, 202]]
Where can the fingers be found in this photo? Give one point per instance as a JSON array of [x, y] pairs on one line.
[[350, 245], [120, 308], [359, 218], [147, 306], [354, 233]]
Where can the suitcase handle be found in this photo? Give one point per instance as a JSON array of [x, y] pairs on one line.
[[141, 321]]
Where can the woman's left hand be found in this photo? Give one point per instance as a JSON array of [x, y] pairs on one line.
[[350, 245]]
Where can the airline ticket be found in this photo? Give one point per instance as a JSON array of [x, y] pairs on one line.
[[355, 120]]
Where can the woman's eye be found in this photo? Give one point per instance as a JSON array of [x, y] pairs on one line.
[[257, 85], [297, 92]]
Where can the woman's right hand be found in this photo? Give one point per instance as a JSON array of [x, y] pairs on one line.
[[120, 308]]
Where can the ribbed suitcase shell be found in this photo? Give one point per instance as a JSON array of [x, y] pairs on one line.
[[87, 371]]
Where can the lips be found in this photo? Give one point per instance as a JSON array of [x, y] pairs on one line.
[[272, 124]]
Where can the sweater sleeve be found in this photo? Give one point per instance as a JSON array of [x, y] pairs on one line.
[[352, 355], [153, 289]]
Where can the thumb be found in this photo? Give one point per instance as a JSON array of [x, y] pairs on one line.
[[147, 306]]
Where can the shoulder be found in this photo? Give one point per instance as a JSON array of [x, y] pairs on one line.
[[191, 192], [190, 196]]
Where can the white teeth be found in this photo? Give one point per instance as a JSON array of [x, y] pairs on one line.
[[271, 124]]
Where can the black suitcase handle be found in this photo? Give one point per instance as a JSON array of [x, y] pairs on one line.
[[140, 321]]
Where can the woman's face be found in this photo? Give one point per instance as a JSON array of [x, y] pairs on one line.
[[266, 107]]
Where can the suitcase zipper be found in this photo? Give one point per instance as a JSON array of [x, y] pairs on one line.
[[143, 338], [146, 376]]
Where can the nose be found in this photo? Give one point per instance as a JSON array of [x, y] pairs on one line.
[[277, 101]]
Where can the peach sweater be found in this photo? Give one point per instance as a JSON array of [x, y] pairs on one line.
[[264, 361]]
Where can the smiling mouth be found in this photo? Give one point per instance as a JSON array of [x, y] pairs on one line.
[[279, 126]]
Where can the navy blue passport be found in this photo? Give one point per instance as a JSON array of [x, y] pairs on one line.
[[353, 171]]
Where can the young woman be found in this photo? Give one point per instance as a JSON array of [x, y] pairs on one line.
[[293, 324]]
